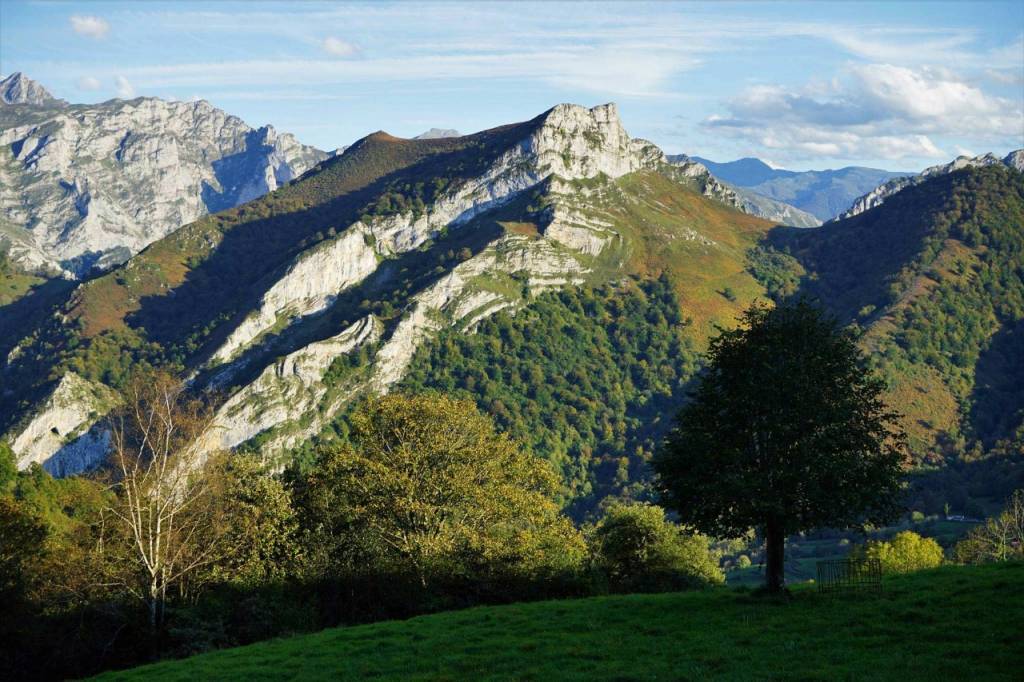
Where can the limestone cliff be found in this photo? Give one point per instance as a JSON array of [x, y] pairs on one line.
[[90, 185]]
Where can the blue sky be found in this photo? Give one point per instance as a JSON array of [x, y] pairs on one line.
[[802, 85]]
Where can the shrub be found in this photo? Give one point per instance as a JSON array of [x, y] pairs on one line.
[[743, 561], [638, 550], [905, 553]]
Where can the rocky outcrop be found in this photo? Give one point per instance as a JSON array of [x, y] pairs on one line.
[[90, 185], [308, 287], [287, 389], [51, 436], [19, 89], [878, 195]]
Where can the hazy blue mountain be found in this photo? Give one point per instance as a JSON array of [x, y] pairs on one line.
[[825, 193]]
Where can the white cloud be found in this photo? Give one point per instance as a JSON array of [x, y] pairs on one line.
[[871, 111], [124, 88], [93, 27], [89, 83], [336, 47], [613, 71]]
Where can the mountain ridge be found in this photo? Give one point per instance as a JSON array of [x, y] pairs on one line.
[[876, 196], [90, 185], [391, 219], [824, 193]]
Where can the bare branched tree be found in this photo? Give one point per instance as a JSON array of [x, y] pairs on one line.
[[1001, 538], [166, 514]]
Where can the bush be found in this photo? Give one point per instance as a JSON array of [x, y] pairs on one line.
[[638, 550], [905, 553], [743, 561]]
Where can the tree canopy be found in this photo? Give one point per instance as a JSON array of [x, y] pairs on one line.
[[786, 432], [427, 487]]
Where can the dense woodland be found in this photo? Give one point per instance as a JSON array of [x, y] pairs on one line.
[[586, 378]]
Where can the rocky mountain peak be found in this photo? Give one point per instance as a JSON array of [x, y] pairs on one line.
[[20, 89], [90, 185]]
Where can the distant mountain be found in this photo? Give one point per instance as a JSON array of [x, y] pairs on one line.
[[437, 134], [825, 194], [19, 89], [90, 185], [754, 203], [879, 194]]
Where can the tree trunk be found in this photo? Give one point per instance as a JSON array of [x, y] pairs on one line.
[[775, 548]]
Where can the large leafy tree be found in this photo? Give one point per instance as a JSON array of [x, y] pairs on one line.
[[786, 432], [428, 487]]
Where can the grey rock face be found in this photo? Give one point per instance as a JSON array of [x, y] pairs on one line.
[[90, 185], [878, 195], [18, 89]]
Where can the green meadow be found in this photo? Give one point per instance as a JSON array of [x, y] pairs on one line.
[[951, 623]]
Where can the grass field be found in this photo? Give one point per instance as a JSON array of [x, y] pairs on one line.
[[951, 623]]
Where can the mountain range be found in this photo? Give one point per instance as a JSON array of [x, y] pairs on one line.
[[91, 185], [824, 194], [558, 271]]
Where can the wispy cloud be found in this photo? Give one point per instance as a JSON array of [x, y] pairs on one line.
[[631, 72], [124, 88], [873, 110], [93, 27], [336, 47], [89, 83]]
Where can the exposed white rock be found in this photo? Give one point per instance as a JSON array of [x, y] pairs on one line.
[[93, 184], [878, 195], [451, 298], [19, 89], [287, 389], [66, 413], [81, 454], [309, 286]]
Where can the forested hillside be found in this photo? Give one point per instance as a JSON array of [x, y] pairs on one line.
[[586, 378], [935, 277]]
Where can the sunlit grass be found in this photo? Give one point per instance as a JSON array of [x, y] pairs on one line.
[[950, 623]]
